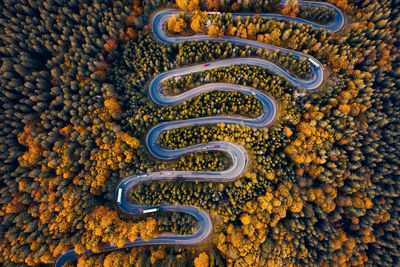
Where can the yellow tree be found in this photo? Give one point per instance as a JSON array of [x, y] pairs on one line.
[[188, 5], [251, 29], [215, 31], [175, 24], [275, 37], [198, 21], [112, 106], [201, 260], [157, 254], [243, 34]]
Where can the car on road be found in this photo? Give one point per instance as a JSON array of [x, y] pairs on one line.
[[216, 146], [314, 62], [207, 64], [119, 195], [205, 147], [145, 211]]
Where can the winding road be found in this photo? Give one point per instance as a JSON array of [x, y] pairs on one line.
[[237, 153]]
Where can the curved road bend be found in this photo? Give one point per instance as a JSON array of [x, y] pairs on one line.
[[334, 26], [237, 153]]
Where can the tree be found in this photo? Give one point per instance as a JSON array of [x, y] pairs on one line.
[[188, 5], [35, 150], [176, 24], [215, 31], [231, 30], [213, 5], [202, 260], [198, 21], [111, 44], [291, 8], [112, 106]]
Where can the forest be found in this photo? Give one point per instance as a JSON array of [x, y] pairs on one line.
[[321, 186]]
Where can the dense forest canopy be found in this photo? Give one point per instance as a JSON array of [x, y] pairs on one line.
[[321, 188]]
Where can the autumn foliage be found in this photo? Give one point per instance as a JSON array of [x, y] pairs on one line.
[[242, 244], [309, 137], [320, 188], [111, 44], [188, 5], [111, 152], [215, 32], [176, 24], [201, 260], [112, 106], [213, 5], [103, 218], [136, 11], [35, 150], [231, 30], [198, 21], [291, 8]]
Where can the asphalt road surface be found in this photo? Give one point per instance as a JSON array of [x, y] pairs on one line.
[[237, 153]]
